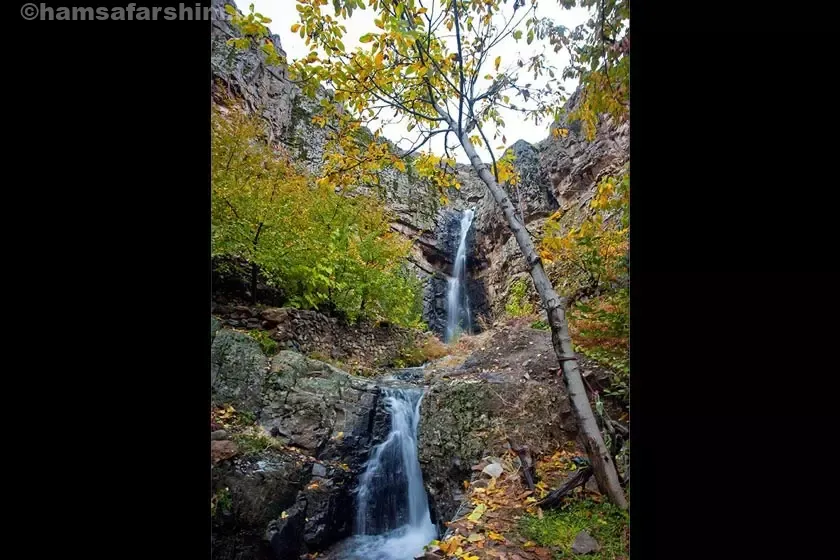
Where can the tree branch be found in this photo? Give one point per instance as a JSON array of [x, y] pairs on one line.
[[460, 68]]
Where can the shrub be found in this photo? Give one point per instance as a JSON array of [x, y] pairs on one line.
[[518, 302]]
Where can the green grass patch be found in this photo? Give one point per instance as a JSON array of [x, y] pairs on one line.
[[268, 345], [253, 441], [541, 325], [558, 529]]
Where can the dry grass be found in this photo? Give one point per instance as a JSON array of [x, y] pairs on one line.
[[434, 349]]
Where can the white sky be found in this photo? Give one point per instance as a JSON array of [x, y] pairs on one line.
[[283, 15]]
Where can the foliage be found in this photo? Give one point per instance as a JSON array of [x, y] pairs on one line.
[[269, 345], [411, 67], [605, 522], [505, 522], [221, 501], [325, 250], [414, 355], [518, 303], [540, 325], [253, 440], [599, 52], [594, 256], [254, 32], [228, 417]]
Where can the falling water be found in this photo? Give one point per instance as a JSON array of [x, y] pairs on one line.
[[456, 281], [392, 515]]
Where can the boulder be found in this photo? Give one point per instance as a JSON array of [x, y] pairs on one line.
[[260, 487], [314, 404], [285, 535], [222, 450], [237, 370], [585, 544]]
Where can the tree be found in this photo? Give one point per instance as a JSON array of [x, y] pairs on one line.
[[592, 259], [327, 250], [254, 194], [426, 64], [599, 52]]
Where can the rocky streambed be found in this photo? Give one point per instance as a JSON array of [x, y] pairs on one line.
[[290, 435]]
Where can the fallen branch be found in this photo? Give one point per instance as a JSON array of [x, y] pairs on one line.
[[525, 458], [553, 499]]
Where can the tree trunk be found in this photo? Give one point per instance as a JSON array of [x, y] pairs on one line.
[[254, 270], [605, 470]]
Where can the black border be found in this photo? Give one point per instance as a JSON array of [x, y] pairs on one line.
[[725, 151], [107, 230]]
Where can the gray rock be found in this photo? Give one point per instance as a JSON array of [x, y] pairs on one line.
[[317, 403], [457, 418], [237, 370], [285, 535], [585, 544], [319, 470], [218, 435]]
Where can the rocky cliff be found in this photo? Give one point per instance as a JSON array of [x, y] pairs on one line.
[[559, 172]]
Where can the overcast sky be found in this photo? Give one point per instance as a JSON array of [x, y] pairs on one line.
[[283, 15]]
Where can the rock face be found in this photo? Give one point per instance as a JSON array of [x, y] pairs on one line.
[[259, 487], [465, 420], [555, 173], [361, 345], [237, 369], [315, 406], [507, 388], [320, 422]]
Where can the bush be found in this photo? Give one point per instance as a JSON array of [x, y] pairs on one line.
[[414, 355], [268, 345], [518, 302], [322, 249]]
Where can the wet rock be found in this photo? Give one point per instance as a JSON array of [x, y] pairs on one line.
[[285, 535], [319, 470], [585, 544], [259, 488], [329, 513]]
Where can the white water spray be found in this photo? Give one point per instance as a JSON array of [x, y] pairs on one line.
[[392, 515], [456, 281]]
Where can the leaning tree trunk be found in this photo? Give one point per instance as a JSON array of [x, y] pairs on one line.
[[602, 463]]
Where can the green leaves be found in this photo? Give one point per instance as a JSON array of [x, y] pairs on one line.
[[366, 38], [324, 250]]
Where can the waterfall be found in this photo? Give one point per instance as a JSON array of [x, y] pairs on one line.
[[455, 283], [392, 510]]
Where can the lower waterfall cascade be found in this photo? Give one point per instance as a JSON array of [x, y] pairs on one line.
[[392, 510]]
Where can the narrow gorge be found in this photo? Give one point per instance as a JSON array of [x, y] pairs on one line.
[[354, 439]]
